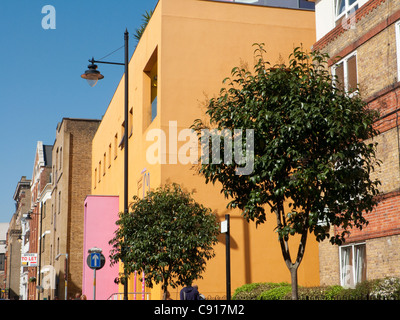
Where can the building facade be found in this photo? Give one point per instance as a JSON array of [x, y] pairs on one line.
[[99, 211], [71, 183], [365, 36], [45, 271], [16, 274], [187, 49], [40, 193], [3, 247]]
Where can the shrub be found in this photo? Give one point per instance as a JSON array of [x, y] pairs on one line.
[[387, 289], [277, 293], [246, 291], [252, 291], [332, 292]]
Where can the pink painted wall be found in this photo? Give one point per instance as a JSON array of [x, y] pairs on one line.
[[101, 213]]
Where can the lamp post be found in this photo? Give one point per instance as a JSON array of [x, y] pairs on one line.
[[92, 75]]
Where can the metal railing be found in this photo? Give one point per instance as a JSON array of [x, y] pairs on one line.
[[131, 296]]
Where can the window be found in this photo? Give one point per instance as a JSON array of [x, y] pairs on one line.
[[95, 177], [122, 142], [43, 241], [104, 166], [130, 122], [153, 99], [115, 145], [99, 171], [109, 155], [2, 261], [60, 158], [59, 202], [353, 264], [150, 90], [397, 26], [344, 9], [44, 205], [346, 73]]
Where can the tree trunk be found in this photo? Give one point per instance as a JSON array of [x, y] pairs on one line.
[[293, 275], [164, 288]]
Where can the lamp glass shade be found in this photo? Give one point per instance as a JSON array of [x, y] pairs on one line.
[[92, 83]]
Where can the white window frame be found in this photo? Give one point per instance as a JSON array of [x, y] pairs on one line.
[[345, 71], [344, 271], [397, 26], [348, 9]]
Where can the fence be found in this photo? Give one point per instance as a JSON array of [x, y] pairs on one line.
[[131, 296], [352, 297]]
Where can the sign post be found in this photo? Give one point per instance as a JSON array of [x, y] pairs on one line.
[[225, 228], [95, 261]]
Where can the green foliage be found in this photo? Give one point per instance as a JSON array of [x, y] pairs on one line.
[[379, 289], [166, 235], [310, 149], [276, 293], [313, 150], [145, 20], [387, 288], [333, 291], [245, 289], [252, 291]]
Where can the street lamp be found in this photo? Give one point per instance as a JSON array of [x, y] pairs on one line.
[[92, 75]]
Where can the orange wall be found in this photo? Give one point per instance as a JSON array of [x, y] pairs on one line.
[[198, 43]]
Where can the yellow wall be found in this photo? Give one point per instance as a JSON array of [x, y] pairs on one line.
[[197, 43]]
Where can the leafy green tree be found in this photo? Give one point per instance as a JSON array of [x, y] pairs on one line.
[[167, 235], [312, 163]]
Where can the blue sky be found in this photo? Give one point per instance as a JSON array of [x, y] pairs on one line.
[[40, 74]]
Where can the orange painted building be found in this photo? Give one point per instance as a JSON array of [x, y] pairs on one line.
[[187, 49]]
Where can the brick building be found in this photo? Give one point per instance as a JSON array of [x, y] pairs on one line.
[[71, 183], [365, 35], [14, 272], [3, 246], [40, 195]]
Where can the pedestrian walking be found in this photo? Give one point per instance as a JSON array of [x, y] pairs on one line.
[[189, 293]]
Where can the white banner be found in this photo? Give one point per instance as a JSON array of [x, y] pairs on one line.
[[29, 260]]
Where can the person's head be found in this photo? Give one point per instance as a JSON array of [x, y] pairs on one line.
[[195, 286], [83, 297]]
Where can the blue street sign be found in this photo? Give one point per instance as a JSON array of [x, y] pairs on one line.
[[95, 261]]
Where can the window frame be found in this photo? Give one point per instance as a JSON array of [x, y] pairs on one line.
[[397, 30], [348, 9], [345, 72], [342, 276]]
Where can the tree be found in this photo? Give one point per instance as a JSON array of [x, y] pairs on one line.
[[311, 161], [167, 235], [145, 20]]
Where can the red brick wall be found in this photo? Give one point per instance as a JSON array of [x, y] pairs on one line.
[[383, 221]]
